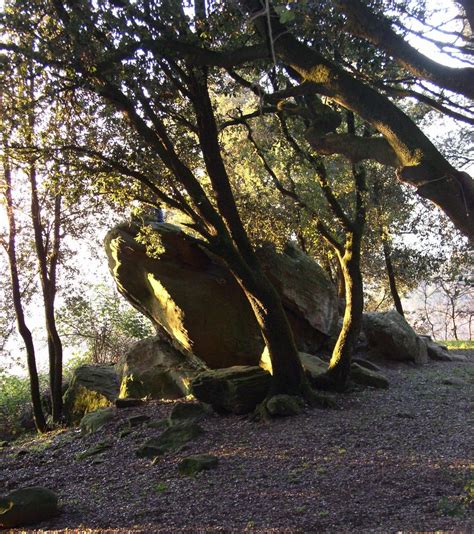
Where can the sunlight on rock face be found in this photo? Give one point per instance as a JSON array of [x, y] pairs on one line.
[[171, 314]]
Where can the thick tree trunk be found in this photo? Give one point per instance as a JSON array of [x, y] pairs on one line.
[[25, 333], [391, 278], [288, 376], [340, 363], [236, 250]]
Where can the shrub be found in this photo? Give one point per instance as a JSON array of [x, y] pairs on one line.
[[15, 403]]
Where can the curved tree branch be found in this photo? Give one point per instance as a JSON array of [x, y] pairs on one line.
[[353, 147], [377, 30], [423, 166]]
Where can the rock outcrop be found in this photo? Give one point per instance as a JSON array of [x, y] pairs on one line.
[[94, 421], [155, 368], [389, 336], [172, 439], [198, 303], [91, 387], [192, 465], [27, 506], [364, 375], [235, 389], [435, 351]]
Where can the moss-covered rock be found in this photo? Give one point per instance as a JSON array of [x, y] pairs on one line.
[[435, 351], [187, 413], [366, 377], [93, 421], [155, 384], [91, 387], [98, 448], [284, 405], [390, 336], [158, 369], [312, 366], [195, 464], [172, 439], [138, 420], [160, 424], [27, 506], [235, 389]]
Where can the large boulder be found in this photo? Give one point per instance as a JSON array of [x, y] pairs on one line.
[[157, 369], [389, 336], [366, 377], [27, 506], [313, 366], [308, 296], [190, 295], [235, 389], [91, 387]]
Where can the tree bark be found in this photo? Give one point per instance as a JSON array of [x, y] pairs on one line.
[[340, 363], [48, 286], [25, 332], [238, 253], [288, 375], [391, 277]]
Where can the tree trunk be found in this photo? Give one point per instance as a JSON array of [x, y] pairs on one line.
[[391, 277], [25, 333], [340, 363], [288, 376], [48, 286], [234, 247]]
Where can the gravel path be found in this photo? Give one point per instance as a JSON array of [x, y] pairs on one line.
[[385, 461]]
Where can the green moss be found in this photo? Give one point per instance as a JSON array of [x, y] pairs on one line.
[[172, 439], [27, 506], [98, 448], [195, 464], [85, 401], [93, 421]]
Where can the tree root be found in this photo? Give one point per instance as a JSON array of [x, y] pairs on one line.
[[327, 382]]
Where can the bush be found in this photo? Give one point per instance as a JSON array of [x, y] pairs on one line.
[[16, 413], [15, 403]]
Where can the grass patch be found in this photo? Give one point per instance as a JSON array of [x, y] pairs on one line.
[[453, 344]]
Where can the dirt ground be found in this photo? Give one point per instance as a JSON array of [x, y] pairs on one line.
[[384, 461]]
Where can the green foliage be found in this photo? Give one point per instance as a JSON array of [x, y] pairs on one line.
[[15, 398], [102, 323], [160, 487], [453, 344], [15, 401]]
